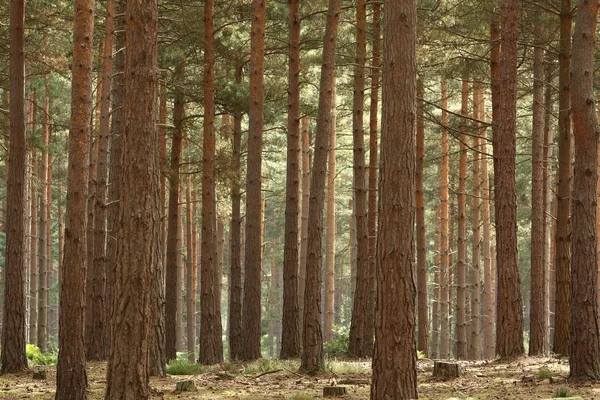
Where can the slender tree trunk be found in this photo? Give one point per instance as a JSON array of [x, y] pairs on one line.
[[190, 271], [565, 176], [52, 317], [475, 337], [312, 356], [361, 343], [585, 337], [290, 338], [423, 320], [509, 328], [162, 135], [395, 355], [548, 195], [461, 265], [173, 284], [211, 343], [444, 275], [330, 222], [42, 333], [304, 222], [235, 283], [435, 301], [179, 346], [33, 263], [71, 378], [13, 321], [537, 317], [251, 308]]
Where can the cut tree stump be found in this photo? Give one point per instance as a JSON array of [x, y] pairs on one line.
[[446, 370], [334, 391], [185, 386]]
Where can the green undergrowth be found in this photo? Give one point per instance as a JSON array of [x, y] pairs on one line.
[[185, 367], [37, 357]]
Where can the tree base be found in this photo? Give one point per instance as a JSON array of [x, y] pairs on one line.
[[446, 370], [334, 391], [185, 386]]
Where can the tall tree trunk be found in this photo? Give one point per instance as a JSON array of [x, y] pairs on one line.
[[42, 333], [361, 342], [395, 355], [96, 346], [509, 328], [585, 337], [290, 338], [71, 378], [211, 343], [330, 222], [52, 316], [475, 337], [33, 255], [461, 264], [423, 306], [162, 135], [139, 252], [180, 270], [312, 356], [235, 283], [173, 284], [251, 314], [565, 176], [14, 313], [435, 301], [444, 267], [548, 195], [537, 317], [190, 271], [304, 222]]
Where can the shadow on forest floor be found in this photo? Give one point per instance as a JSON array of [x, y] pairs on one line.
[[526, 378]]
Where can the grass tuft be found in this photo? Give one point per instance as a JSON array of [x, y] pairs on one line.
[[544, 373], [562, 392], [184, 367]]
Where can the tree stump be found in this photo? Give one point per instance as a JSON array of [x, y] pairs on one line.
[[185, 386], [446, 370], [334, 391], [39, 375]]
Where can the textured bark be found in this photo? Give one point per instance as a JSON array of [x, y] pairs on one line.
[[33, 254], [461, 264], [235, 276], [565, 176], [14, 314], [475, 334], [71, 378], [549, 194], [423, 306], [139, 234], [42, 332], [190, 272], [173, 284], [162, 135], [585, 336], [180, 271], [330, 222], [52, 309], [509, 326], [537, 317], [435, 301], [361, 334], [395, 356], [304, 222], [444, 266], [312, 356], [290, 338], [211, 343], [251, 314]]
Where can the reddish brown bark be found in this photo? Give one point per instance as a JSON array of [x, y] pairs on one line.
[[394, 357], [33, 264], [444, 266]]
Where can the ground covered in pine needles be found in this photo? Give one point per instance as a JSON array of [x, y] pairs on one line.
[[527, 378]]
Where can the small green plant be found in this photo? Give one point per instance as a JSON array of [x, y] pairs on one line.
[[261, 366], [562, 392], [544, 373], [35, 355], [185, 367], [338, 347], [420, 355]]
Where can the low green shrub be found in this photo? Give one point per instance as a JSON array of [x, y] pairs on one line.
[[338, 347], [562, 392], [185, 367], [37, 357]]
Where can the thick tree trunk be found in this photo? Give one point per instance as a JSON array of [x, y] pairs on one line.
[[211, 343], [330, 222], [173, 284], [290, 338], [585, 337], [14, 313], [361, 343], [509, 328], [312, 356], [461, 265], [565, 175], [423, 306], [71, 379], [444, 267], [235, 275], [139, 253], [395, 356], [537, 317], [251, 314]]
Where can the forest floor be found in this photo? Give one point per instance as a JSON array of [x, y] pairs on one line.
[[526, 378]]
